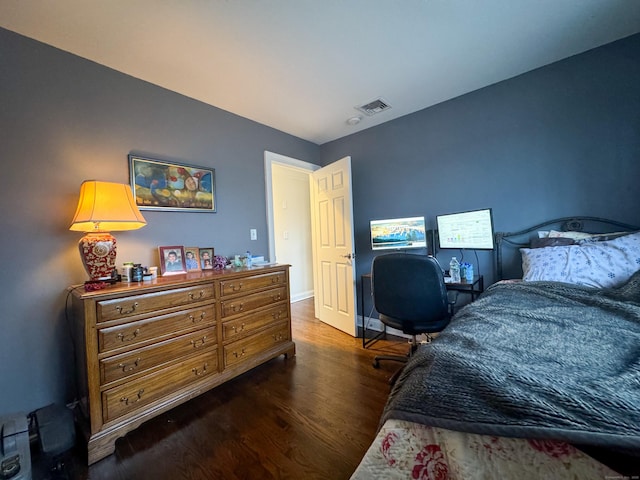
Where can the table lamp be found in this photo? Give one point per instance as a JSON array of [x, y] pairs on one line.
[[103, 207]]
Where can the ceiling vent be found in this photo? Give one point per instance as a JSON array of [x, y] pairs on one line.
[[374, 107]]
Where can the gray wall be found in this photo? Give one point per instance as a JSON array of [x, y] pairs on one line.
[[562, 140], [64, 119]]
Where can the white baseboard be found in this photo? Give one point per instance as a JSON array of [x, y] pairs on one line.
[[301, 296], [376, 325], [373, 324]]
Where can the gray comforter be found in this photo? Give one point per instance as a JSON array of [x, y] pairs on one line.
[[535, 360]]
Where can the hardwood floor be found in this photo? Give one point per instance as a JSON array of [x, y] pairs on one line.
[[308, 417]]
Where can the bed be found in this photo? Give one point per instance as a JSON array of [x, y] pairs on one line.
[[538, 378]]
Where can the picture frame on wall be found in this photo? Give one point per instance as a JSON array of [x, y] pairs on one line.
[[171, 186], [172, 260], [206, 258], [192, 259]]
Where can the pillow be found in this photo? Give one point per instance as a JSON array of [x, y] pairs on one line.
[[573, 235], [586, 237], [603, 237], [599, 264], [550, 242]]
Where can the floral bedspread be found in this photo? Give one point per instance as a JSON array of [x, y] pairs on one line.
[[405, 450]]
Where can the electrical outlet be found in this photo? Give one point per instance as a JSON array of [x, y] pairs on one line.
[[253, 233]]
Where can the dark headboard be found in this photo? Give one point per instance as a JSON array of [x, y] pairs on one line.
[[508, 259]]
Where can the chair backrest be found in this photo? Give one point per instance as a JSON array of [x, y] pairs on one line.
[[410, 289]]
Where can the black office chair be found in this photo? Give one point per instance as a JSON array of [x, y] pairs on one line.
[[410, 295]]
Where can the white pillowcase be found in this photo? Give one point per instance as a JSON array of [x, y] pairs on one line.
[[600, 264], [570, 234]]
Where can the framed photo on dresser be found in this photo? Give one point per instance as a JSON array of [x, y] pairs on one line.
[[192, 259], [206, 258], [172, 260]]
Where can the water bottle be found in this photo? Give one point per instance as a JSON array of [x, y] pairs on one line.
[[454, 270], [248, 259]]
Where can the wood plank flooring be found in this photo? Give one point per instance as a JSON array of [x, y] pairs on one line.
[[309, 417]]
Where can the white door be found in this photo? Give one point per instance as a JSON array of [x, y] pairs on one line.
[[333, 253]]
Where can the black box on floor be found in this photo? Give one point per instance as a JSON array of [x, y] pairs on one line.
[[56, 430]]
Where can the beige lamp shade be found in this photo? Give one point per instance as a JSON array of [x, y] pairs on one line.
[[106, 207], [103, 207]]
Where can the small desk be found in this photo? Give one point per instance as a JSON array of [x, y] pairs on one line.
[[476, 287]]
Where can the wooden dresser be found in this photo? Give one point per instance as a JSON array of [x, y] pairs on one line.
[[143, 348]]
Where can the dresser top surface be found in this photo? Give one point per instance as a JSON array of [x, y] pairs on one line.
[[175, 281]]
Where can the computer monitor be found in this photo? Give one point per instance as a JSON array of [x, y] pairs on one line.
[[472, 230], [398, 233]]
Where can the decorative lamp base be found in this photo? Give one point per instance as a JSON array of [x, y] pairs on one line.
[[98, 253]]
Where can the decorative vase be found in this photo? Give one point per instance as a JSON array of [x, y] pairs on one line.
[[98, 252]]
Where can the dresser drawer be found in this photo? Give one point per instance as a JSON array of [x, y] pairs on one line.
[[154, 328], [130, 363], [250, 302], [240, 327], [253, 283], [151, 302], [132, 395], [244, 349]]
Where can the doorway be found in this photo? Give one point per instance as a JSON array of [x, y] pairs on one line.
[[289, 219], [327, 257]]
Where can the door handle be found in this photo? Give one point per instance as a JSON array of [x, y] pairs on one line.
[[349, 256]]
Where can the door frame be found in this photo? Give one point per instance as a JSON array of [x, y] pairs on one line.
[[270, 159]]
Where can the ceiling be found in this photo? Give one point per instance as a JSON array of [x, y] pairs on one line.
[[302, 66]]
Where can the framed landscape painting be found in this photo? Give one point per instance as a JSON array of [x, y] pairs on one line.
[[171, 186]]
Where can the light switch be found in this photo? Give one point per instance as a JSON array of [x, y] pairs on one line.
[[253, 233]]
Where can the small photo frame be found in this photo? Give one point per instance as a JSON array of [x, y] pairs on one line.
[[192, 259], [172, 260], [206, 258]]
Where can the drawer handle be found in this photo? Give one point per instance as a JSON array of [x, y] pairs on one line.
[[127, 368], [276, 297], [275, 280], [198, 343], [200, 372], [276, 315], [238, 355], [197, 320], [236, 287], [278, 337], [128, 401], [237, 329], [122, 311], [193, 297], [122, 337], [237, 308]]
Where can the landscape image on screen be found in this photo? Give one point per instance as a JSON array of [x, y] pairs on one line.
[[398, 233]]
